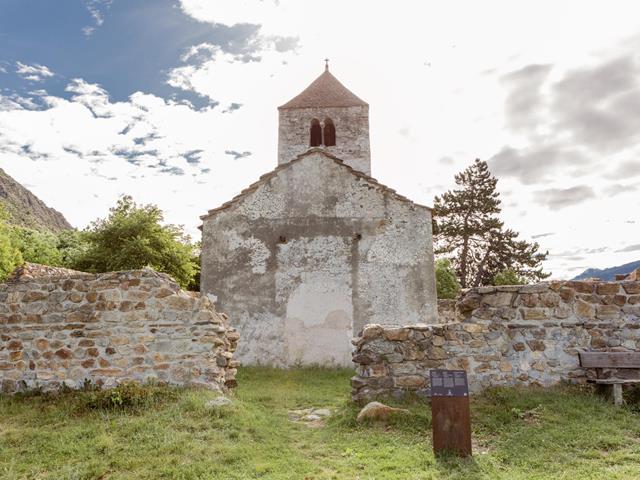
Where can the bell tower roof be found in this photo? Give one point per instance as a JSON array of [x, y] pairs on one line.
[[325, 91]]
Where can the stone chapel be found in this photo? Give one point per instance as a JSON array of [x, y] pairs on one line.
[[315, 249]]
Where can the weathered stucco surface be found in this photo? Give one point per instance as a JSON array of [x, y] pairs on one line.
[[312, 253], [352, 134]]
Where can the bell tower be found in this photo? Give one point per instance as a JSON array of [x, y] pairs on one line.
[[326, 115]]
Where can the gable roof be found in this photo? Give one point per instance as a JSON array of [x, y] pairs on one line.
[[325, 91], [273, 173]]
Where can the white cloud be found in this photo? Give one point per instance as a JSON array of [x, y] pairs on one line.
[[33, 72], [80, 154], [434, 81], [97, 10], [231, 12]]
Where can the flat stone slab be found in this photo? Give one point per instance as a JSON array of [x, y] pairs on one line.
[[313, 417]]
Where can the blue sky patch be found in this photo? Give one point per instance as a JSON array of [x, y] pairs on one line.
[[133, 49]]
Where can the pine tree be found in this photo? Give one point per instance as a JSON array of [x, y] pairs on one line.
[[468, 230]]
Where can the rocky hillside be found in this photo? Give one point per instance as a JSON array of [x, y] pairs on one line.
[[608, 273], [27, 210]]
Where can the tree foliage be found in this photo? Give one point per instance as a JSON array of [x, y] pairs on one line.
[[10, 256], [133, 237], [447, 284], [508, 277], [468, 230], [71, 244], [37, 247]]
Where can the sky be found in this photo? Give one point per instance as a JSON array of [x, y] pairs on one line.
[[175, 103]]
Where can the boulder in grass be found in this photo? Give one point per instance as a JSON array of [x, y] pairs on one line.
[[377, 411]]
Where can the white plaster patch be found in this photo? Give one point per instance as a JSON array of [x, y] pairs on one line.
[[399, 242], [266, 202], [258, 251], [322, 299], [312, 254], [318, 325], [263, 342]]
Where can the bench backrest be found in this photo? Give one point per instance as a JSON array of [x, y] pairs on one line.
[[610, 359]]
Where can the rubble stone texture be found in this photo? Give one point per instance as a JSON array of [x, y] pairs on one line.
[[508, 335], [109, 328]]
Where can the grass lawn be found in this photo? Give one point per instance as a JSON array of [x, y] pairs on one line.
[[518, 434]]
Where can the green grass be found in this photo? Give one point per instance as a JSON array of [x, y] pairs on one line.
[[564, 433]]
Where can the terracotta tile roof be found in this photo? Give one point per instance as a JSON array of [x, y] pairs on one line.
[[268, 176], [325, 91]]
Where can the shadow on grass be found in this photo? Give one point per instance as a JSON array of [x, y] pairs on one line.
[[450, 465]]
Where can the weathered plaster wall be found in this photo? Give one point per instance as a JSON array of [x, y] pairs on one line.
[[312, 254], [109, 328], [508, 336], [352, 134]]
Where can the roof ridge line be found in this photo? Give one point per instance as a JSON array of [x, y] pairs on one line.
[[271, 174]]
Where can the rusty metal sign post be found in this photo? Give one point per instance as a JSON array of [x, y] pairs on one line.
[[450, 414]]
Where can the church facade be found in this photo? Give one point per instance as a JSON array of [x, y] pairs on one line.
[[314, 250]]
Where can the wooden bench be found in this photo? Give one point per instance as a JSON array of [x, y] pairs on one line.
[[611, 360]]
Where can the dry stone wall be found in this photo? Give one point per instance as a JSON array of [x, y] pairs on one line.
[[109, 328], [509, 335]]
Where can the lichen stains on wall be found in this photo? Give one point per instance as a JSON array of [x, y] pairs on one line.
[[311, 254]]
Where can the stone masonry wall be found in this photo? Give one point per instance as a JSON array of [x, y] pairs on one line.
[[447, 311], [352, 134], [110, 328], [509, 335]]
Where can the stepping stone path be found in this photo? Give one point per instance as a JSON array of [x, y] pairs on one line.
[[313, 417]]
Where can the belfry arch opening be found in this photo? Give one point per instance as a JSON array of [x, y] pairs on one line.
[[329, 133], [315, 133]]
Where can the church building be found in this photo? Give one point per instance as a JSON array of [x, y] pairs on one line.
[[315, 249]]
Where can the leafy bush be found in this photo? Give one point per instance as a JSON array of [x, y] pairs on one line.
[[133, 237], [447, 283], [508, 277], [10, 256], [71, 244], [37, 247], [126, 396]]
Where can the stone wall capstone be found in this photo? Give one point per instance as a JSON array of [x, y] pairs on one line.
[[109, 328], [507, 335]]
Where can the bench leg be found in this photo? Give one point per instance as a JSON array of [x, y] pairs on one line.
[[616, 390]]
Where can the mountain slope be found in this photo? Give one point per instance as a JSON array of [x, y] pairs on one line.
[[27, 210], [608, 273]]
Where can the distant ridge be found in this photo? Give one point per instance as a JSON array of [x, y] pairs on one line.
[[608, 273], [27, 210]]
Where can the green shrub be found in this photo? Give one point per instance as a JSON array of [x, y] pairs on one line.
[[447, 283], [133, 237], [37, 247], [10, 256], [126, 396], [508, 277], [72, 244]]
